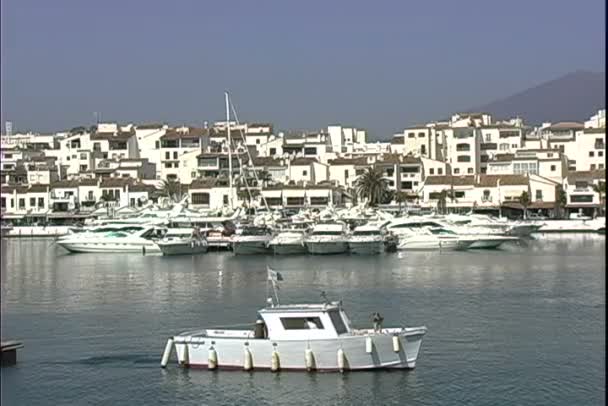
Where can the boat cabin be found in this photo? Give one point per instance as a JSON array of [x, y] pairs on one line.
[[303, 322], [367, 230], [329, 229]]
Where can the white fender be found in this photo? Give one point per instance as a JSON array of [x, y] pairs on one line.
[[396, 344], [167, 354], [341, 360], [310, 360], [275, 363], [185, 355], [368, 345], [248, 365], [212, 358]]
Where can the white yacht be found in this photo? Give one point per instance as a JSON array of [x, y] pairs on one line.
[[183, 241], [251, 240], [298, 337], [289, 242], [478, 241], [597, 225], [327, 238], [130, 239], [367, 239], [428, 239]]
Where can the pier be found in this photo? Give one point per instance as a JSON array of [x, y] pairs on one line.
[[9, 352]]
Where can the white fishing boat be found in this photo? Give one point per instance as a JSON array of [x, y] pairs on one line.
[[299, 337], [251, 240], [289, 242], [183, 241], [327, 238], [367, 240], [141, 241]]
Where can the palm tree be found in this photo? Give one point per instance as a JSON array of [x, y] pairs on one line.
[[401, 197], [524, 200], [601, 189], [171, 189], [371, 185], [442, 202]]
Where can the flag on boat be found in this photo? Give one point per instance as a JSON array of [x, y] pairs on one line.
[[274, 276]]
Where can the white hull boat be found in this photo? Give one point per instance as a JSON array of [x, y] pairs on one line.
[[251, 241], [432, 243], [309, 337], [597, 225], [288, 243], [142, 242], [183, 242], [327, 239], [366, 240]]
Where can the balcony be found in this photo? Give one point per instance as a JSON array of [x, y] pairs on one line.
[[600, 145]]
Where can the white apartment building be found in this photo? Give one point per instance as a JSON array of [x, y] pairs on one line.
[[344, 139], [581, 196], [463, 146], [345, 171], [177, 142], [306, 171], [547, 163], [597, 121]]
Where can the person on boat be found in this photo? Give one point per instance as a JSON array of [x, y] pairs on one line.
[[310, 324], [377, 319]]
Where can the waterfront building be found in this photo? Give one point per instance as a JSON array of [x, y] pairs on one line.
[[583, 196]]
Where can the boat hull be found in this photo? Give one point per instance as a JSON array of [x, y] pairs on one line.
[[327, 247], [366, 248], [436, 245], [289, 249], [194, 352], [182, 249], [250, 248], [109, 247]]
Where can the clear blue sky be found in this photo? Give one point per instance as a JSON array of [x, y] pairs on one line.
[[300, 64]]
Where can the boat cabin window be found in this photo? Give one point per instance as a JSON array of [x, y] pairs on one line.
[[338, 322], [367, 232], [301, 323], [327, 233]]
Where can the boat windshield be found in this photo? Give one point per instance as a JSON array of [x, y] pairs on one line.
[[366, 232], [326, 233], [441, 231], [337, 321], [255, 231]]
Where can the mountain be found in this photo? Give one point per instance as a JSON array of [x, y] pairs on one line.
[[572, 97]]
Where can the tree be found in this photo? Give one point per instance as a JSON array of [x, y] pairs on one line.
[[371, 185], [561, 201], [401, 197], [600, 188], [171, 189], [524, 200], [442, 202]]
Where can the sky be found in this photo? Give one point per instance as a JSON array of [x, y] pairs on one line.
[[299, 64]]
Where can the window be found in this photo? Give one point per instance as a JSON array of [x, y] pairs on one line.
[[464, 158], [310, 151], [600, 153], [513, 146], [32, 202], [200, 198], [423, 149], [486, 196], [257, 141], [304, 173], [592, 166], [459, 194], [319, 201], [463, 147], [167, 155], [3, 202], [22, 203], [174, 154], [301, 323], [539, 195], [90, 195], [470, 170], [488, 137], [225, 199], [503, 147], [337, 321], [157, 144], [550, 155], [273, 151], [439, 171], [456, 171], [591, 153], [83, 168], [295, 201], [168, 165], [553, 168], [346, 174], [410, 169], [521, 168], [411, 135], [431, 171], [41, 202], [581, 198], [421, 135], [193, 175], [600, 166]]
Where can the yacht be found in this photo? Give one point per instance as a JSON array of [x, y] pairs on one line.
[[129, 239], [251, 240], [327, 238], [183, 241], [367, 239], [430, 239], [289, 242], [298, 337], [478, 241]]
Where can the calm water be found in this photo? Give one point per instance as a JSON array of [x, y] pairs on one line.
[[525, 325]]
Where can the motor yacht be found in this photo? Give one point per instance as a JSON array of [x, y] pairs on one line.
[[251, 240], [183, 241], [128, 240], [289, 242], [327, 238], [367, 239], [298, 337]]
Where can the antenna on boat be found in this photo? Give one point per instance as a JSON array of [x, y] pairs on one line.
[[230, 199], [273, 280]]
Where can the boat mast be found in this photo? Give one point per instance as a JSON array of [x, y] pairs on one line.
[[229, 150]]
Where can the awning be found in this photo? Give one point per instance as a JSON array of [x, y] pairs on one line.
[[582, 205], [272, 193], [541, 205]]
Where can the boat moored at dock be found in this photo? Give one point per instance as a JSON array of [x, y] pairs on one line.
[[183, 241], [327, 238], [367, 240]]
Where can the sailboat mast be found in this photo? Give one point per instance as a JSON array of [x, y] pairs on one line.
[[229, 150]]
